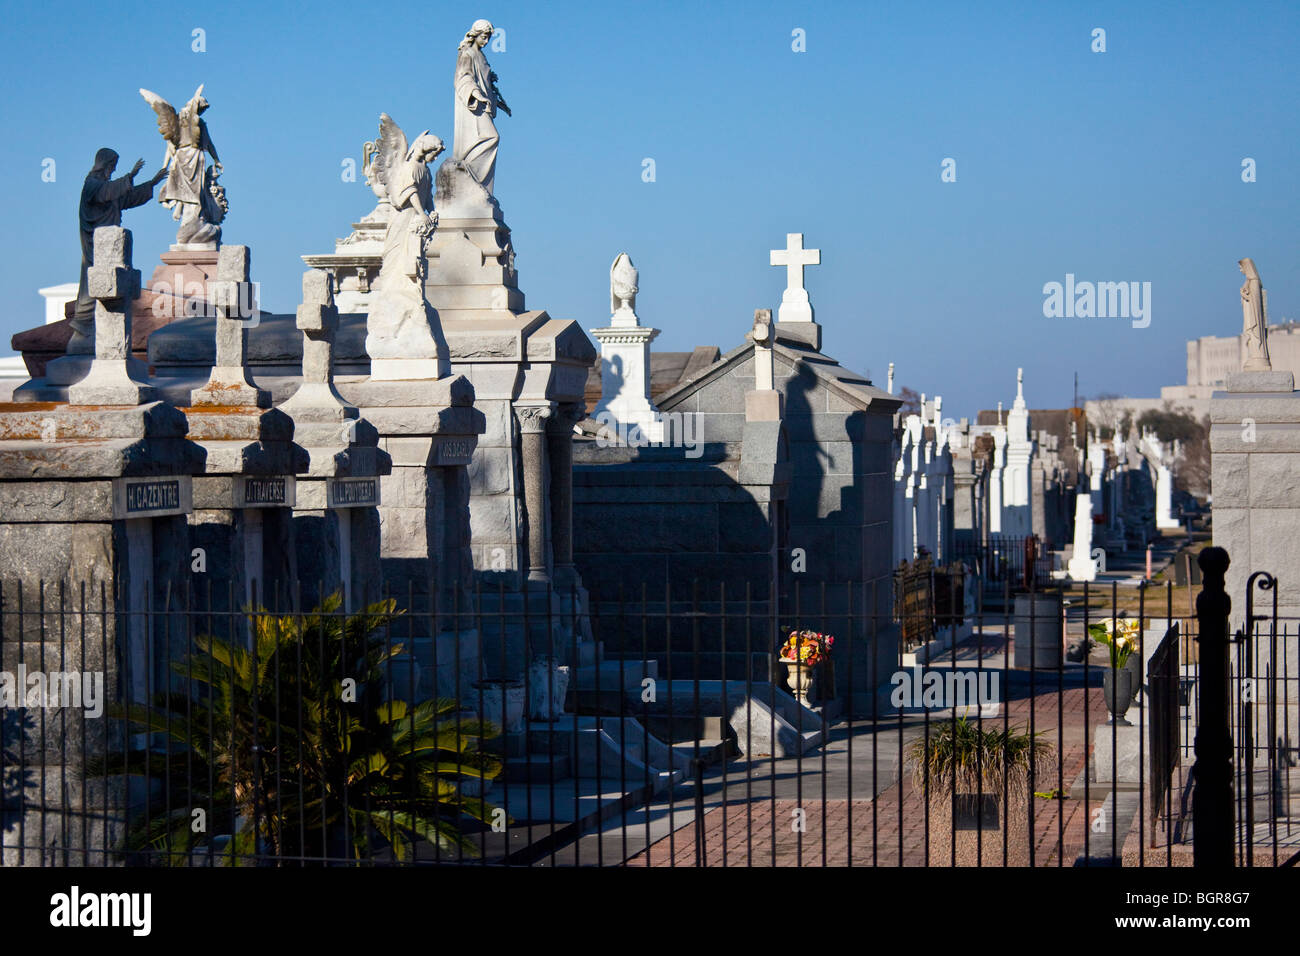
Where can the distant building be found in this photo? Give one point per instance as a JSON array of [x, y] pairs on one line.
[[1211, 357]]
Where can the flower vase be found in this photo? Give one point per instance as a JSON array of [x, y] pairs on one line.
[[800, 678], [1134, 667], [1117, 690]]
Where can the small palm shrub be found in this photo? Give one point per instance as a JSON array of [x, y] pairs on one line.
[[294, 749], [963, 757]]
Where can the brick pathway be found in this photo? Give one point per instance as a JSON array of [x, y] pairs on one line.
[[861, 833]]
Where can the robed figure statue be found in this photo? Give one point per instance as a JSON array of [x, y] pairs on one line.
[[477, 102], [1254, 324], [102, 200]]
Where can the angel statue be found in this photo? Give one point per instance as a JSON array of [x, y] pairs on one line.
[[403, 333], [1254, 316], [191, 190]]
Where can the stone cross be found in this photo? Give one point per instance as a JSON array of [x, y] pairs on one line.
[[889, 387], [795, 306], [318, 319], [231, 295], [114, 378], [764, 360]]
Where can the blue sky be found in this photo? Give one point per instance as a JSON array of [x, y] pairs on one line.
[[1115, 166]]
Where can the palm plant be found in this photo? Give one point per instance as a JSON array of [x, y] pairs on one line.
[[962, 757], [291, 744]]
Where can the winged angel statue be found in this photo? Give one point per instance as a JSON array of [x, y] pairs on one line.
[[191, 190], [402, 326]]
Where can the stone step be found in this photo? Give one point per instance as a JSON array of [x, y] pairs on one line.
[[612, 748], [538, 768], [712, 750], [683, 728], [612, 674]]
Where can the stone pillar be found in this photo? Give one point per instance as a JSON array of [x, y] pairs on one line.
[[244, 501], [1253, 469], [532, 445], [336, 517], [1082, 567], [231, 294], [625, 360], [114, 378], [560, 447], [91, 509]]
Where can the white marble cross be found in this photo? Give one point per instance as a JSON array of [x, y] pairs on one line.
[[795, 306]]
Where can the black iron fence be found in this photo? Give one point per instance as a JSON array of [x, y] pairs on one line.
[[549, 728], [1013, 561]]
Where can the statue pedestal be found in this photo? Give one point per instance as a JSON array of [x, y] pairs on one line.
[[178, 287], [471, 261]]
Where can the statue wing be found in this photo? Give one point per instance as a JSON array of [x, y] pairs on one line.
[[168, 124], [390, 149]]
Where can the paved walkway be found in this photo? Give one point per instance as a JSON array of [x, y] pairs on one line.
[[788, 831]]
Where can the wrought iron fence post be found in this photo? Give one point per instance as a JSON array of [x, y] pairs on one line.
[[1212, 795]]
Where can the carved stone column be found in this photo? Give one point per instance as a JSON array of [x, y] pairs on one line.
[[560, 443], [532, 448]]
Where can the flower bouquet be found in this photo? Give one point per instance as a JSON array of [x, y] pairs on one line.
[[801, 653], [806, 647], [1120, 635], [1120, 682]]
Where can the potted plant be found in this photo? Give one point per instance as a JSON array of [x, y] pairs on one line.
[[801, 653], [977, 783], [1123, 678]]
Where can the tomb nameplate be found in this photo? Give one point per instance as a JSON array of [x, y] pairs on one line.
[[453, 451], [352, 492], [265, 491], [152, 497]]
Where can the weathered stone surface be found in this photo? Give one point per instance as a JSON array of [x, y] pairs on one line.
[[239, 424], [1270, 381], [56, 552], [56, 501], [1231, 477], [115, 458], [491, 471]]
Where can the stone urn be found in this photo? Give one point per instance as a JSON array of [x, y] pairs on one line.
[[501, 698], [800, 678], [1118, 689], [548, 682]]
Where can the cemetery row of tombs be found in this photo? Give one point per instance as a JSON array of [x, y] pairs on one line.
[[537, 510]]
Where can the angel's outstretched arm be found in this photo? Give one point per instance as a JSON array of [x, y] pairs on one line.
[[208, 146]]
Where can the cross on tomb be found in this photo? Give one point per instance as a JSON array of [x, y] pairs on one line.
[[114, 377], [231, 296], [795, 306]]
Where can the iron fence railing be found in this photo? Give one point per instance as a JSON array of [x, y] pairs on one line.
[[534, 727]]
